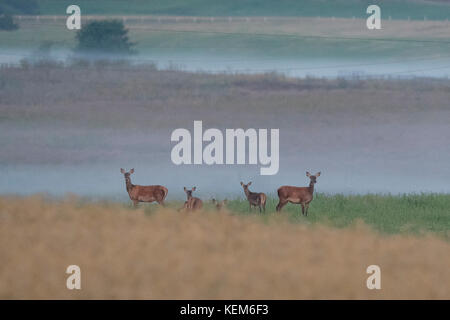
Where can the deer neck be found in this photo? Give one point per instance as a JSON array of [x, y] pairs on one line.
[[128, 184], [311, 187], [247, 192]]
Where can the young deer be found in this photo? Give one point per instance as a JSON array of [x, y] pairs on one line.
[[192, 203], [219, 205], [298, 195], [254, 198], [144, 193]]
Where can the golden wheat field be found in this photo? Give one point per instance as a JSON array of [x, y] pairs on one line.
[[125, 253]]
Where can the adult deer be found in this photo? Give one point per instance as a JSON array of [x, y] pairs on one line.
[[192, 203], [144, 193], [219, 205], [254, 198], [298, 195]]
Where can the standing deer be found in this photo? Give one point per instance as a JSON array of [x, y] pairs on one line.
[[219, 205], [144, 193], [254, 198], [298, 195], [192, 203]]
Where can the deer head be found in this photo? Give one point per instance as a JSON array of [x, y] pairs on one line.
[[313, 178], [126, 174], [245, 186], [189, 192], [219, 205]]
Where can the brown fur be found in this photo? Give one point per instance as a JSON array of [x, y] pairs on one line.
[[254, 198], [144, 193], [219, 205], [298, 195], [192, 203]]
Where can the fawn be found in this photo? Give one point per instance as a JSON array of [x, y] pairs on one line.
[[254, 198], [219, 205], [192, 203]]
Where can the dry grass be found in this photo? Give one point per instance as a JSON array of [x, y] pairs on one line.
[[125, 253]]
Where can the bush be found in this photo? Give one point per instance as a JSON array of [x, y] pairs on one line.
[[7, 23], [109, 36]]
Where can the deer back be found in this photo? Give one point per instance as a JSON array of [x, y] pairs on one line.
[[194, 203], [255, 197], [148, 193], [295, 194]]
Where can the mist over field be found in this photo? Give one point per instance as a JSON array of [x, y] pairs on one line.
[[293, 46], [374, 127], [72, 129]]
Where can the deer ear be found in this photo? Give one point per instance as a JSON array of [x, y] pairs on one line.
[[249, 183], [184, 188], [122, 171], [132, 170], [242, 183], [308, 174], [194, 188], [318, 174]]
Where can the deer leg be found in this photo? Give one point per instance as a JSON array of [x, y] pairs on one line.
[[307, 207], [161, 202], [303, 209], [184, 206], [135, 203], [280, 205]]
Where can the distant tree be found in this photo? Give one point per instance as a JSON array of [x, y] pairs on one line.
[[109, 36], [7, 22]]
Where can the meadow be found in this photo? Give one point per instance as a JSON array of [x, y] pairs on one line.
[[413, 214], [70, 129], [127, 253], [381, 143], [389, 214], [398, 9], [279, 38]]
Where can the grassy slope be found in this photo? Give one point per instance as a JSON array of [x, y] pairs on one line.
[[398, 9], [242, 39], [254, 39]]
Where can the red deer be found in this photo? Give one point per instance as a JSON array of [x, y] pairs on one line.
[[219, 205], [298, 195], [192, 203], [144, 193], [254, 198]]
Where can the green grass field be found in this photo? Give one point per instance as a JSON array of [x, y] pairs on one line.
[[397, 9], [284, 40], [388, 214]]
